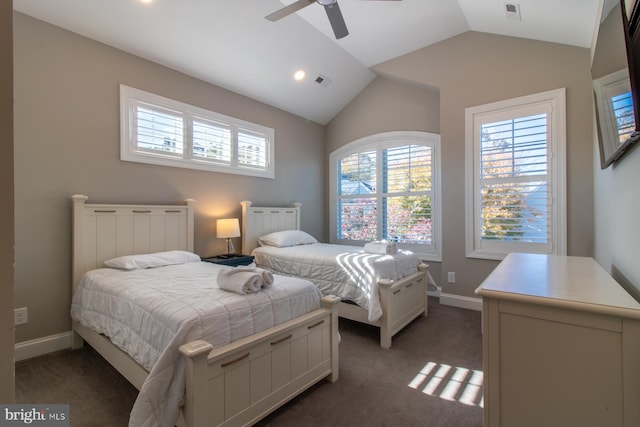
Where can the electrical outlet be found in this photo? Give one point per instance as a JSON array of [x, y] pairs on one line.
[[451, 277], [20, 316]]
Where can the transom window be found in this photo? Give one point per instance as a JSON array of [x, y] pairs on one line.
[[515, 191], [162, 131], [387, 186]]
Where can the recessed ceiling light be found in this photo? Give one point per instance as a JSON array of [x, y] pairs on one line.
[[146, 1], [299, 75]]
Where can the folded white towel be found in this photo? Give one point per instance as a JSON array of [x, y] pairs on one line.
[[240, 280], [381, 247], [267, 277]]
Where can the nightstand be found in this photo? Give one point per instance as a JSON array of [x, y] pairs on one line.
[[233, 261]]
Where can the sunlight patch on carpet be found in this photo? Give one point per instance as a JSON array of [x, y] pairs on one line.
[[455, 384]]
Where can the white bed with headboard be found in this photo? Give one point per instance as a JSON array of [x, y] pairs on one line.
[[234, 384], [401, 300]]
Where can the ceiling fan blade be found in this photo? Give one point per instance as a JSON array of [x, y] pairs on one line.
[[288, 10], [336, 20]]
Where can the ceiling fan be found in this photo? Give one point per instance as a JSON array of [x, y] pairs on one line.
[[330, 6]]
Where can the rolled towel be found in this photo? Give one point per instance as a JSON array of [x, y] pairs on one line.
[[267, 277], [381, 247], [241, 281]]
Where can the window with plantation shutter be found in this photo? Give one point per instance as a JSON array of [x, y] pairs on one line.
[[162, 131], [211, 141], [251, 149], [159, 130], [386, 186], [515, 186]]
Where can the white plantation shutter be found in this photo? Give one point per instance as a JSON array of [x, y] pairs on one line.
[[384, 187], [357, 199], [159, 130], [252, 149], [211, 141], [514, 165], [162, 131], [407, 194], [516, 153]]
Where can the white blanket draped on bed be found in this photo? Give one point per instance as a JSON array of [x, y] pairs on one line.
[[150, 313], [345, 271]]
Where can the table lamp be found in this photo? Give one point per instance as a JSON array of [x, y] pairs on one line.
[[226, 229]]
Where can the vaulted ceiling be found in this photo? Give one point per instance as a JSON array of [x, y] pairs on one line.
[[230, 43]]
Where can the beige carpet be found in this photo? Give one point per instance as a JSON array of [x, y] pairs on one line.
[[430, 377]]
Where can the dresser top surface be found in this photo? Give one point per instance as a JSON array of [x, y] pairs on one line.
[[573, 282]]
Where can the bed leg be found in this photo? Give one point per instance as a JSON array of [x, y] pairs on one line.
[[196, 405], [76, 340], [385, 339], [331, 302], [384, 287], [424, 268]]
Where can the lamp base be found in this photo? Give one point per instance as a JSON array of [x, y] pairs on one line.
[[231, 251]]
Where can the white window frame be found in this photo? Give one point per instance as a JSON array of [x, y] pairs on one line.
[[378, 142], [130, 98], [553, 100]]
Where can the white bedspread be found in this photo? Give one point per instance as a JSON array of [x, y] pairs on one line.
[[150, 313], [344, 271]]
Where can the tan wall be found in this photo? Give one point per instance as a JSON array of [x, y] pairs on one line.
[[386, 105], [474, 69], [6, 203], [67, 141]]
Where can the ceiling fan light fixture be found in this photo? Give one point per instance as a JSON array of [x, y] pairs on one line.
[[331, 8]]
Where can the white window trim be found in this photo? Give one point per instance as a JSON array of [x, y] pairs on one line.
[[129, 97], [556, 99], [384, 140]]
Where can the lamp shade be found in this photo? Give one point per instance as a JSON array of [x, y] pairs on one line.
[[227, 228]]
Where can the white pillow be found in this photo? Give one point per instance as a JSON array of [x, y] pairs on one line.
[[286, 238], [158, 259]]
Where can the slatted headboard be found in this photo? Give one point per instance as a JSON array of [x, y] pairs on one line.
[[102, 231], [258, 221]]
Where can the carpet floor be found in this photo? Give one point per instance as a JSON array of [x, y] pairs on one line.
[[432, 377]]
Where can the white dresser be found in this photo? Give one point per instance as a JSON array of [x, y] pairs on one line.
[[561, 345]]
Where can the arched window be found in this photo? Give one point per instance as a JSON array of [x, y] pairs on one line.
[[387, 186]]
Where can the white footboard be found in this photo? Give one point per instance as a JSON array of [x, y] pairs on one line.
[[401, 300], [242, 382]]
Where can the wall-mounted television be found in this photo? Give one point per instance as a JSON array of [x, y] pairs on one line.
[[615, 71]]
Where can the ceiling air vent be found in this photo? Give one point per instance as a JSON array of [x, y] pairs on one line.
[[323, 81], [512, 11]]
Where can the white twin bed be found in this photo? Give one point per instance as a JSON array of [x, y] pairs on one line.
[[388, 291], [200, 355]]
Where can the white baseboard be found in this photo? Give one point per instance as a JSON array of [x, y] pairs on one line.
[[434, 292], [460, 301], [40, 346]]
